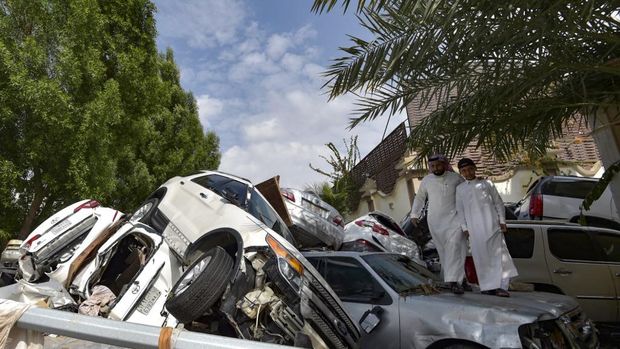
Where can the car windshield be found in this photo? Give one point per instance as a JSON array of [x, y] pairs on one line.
[[229, 188], [399, 272]]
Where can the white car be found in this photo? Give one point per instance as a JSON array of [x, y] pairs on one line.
[[243, 267], [55, 244], [136, 266], [377, 232], [560, 198]]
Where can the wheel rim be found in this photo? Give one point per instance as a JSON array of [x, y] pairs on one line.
[[141, 212], [192, 275]]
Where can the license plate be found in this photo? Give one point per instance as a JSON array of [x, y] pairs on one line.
[[60, 226], [148, 301]]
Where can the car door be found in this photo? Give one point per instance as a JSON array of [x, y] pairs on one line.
[[527, 249], [360, 292], [578, 269], [609, 242]]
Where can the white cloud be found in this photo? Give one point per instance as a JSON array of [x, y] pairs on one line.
[[201, 23], [208, 107], [260, 92]]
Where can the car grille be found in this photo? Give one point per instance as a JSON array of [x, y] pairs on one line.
[[326, 297]]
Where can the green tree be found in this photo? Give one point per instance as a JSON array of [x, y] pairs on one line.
[[341, 191], [88, 108], [505, 75]]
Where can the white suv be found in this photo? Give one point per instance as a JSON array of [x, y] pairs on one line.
[[560, 198]]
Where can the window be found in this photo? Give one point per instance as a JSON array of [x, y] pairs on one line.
[[260, 208], [352, 282], [572, 244], [520, 242], [610, 244], [568, 188], [220, 184], [400, 272]]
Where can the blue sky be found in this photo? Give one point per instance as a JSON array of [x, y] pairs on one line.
[[254, 66]]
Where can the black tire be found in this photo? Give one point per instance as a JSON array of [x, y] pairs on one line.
[[149, 206], [462, 345], [189, 300]]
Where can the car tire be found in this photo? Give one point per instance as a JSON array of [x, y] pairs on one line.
[[201, 286], [463, 345], [145, 211]]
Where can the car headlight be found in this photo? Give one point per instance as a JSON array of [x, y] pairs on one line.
[[289, 266]]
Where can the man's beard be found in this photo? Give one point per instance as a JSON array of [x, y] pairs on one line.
[[439, 172]]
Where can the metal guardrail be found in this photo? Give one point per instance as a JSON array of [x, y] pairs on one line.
[[124, 334]]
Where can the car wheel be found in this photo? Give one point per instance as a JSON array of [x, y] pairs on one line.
[[201, 286], [145, 211], [463, 345]]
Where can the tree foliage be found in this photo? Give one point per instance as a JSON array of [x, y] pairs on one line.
[[505, 75], [341, 191], [89, 108]]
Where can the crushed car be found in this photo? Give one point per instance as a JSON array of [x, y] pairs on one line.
[[242, 265], [376, 231], [55, 244], [399, 306], [315, 223], [9, 262]]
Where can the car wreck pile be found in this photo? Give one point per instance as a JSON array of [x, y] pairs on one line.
[[219, 255], [207, 251]]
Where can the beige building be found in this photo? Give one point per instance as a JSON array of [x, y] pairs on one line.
[[388, 178]]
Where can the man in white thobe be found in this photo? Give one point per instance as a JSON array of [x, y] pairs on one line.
[[439, 188], [482, 215]]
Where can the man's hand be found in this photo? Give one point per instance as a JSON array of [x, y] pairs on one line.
[[415, 221], [503, 227]]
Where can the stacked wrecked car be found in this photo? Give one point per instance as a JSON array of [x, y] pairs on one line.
[[207, 251]]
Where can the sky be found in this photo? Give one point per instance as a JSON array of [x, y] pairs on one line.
[[255, 68]]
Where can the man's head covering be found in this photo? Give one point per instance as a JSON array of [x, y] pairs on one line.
[[436, 157], [465, 162]]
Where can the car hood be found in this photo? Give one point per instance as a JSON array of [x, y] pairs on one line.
[[489, 320], [522, 307]]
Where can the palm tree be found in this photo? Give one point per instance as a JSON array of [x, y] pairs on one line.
[[506, 75]]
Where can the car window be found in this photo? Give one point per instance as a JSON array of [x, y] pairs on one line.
[[352, 282], [388, 223], [399, 272], [260, 208], [520, 242], [610, 244], [577, 189], [572, 244], [220, 184]]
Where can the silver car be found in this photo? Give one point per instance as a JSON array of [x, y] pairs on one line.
[[315, 222], [399, 305], [377, 232]]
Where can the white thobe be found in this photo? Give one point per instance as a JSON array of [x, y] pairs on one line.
[[443, 223], [481, 210]]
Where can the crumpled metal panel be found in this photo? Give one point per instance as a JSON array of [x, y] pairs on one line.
[[311, 224], [492, 321], [50, 292], [391, 243]]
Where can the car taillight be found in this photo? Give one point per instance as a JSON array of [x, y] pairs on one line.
[[376, 228], [88, 204], [360, 246], [29, 242], [338, 221], [288, 194], [536, 206]]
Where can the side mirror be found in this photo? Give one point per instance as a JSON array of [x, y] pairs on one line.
[[371, 319]]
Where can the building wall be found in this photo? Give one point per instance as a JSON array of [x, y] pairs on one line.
[[397, 204]]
